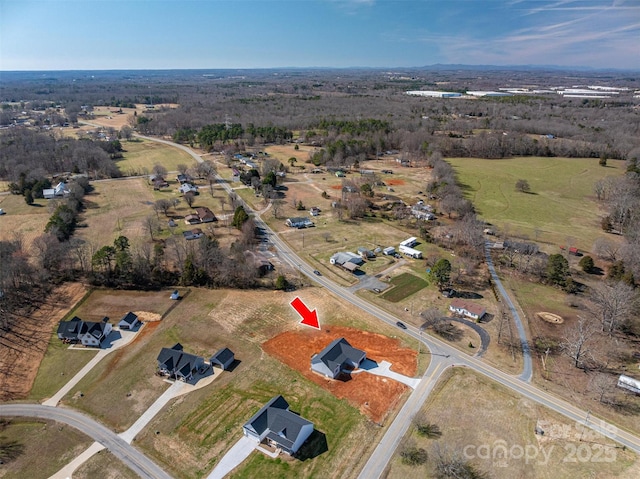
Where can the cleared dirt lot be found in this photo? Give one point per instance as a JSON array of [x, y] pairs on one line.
[[375, 396], [23, 350]]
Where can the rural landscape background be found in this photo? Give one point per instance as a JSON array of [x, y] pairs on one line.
[[543, 183]]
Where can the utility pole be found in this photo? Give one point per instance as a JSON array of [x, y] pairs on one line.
[[586, 421]]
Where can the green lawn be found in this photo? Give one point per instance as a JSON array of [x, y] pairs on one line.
[[561, 203], [404, 285], [141, 155]]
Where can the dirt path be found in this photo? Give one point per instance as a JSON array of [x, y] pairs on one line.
[[29, 339]]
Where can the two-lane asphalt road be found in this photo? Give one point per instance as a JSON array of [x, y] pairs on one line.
[[439, 350], [129, 455]]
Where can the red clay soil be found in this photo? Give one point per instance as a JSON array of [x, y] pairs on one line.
[[22, 348], [375, 396], [394, 182]]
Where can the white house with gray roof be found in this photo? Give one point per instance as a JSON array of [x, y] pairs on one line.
[[275, 425], [338, 355]]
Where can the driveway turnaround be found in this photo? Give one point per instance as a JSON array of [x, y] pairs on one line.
[[233, 458], [383, 369]]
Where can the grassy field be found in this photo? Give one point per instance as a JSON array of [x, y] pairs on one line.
[[116, 208], [60, 363], [58, 366], [141, 155], [105, 466], [500, 422], [48, 447], [404, 285], [561, 203], [23, 220], [199, 427]]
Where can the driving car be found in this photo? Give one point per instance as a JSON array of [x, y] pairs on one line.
[[401, 325], [317, 273]]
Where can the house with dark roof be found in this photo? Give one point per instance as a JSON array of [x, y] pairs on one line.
[[193, 234], [467, 308], [192, 219], [129, 321], [175, 363], [338, 355], [347, 260], [87, 333], [277, 426], [205, 214], [223, 358]]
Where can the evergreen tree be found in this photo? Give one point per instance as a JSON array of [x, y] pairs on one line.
[[441, 273], [557, 270], [240, 217]]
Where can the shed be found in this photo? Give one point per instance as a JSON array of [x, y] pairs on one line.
[[223, 358]]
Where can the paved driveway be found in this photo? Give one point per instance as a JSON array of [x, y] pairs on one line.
[[383, 369], [233, 458]]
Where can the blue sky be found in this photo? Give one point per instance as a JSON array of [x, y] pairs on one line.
[[175, 34]]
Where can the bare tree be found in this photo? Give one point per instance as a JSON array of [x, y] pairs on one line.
[[276, 206], [602, 384], [151, 225], [607, 249], [126, 132], [182, 168], [430, 317], [577, 341], [523, 186], [163, 205], [159, 170], [614, 303], [189, 198]]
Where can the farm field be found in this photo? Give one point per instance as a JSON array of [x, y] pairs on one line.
[[47, 447], [404, 285], [561, 203], [141, 155], [22, 220], [500, 426], [204, 321], [115, 208]]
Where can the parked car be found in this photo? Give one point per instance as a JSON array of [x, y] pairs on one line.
[[401, 325], [376, 290], [175, 295], [317, 273], [2, 212]]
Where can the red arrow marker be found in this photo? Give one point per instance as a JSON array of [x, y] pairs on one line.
[[309, 318]]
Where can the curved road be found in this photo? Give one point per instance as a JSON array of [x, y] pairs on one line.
[[527, 369], [137, 461], [442, 354]]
